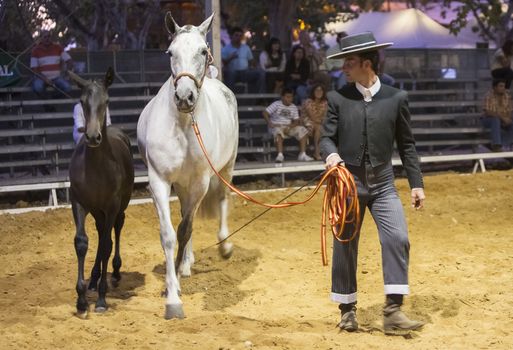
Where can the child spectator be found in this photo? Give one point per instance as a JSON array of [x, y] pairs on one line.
[[314, 110], [282, 117]]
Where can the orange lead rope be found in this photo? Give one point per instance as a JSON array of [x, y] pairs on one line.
[[340, 199]]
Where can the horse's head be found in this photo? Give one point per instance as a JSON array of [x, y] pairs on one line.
[[94, 100], [190, 58]]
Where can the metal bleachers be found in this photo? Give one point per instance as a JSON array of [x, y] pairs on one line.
[[32, 138]]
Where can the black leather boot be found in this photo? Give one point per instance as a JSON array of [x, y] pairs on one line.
[[348, 322], [395, 322]]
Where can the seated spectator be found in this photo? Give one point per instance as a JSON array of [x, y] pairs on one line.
[[79, 121], [334, 66], [47, 60], [318, 70], [237, 64], [282, 117], [502, 63], [297, 71], [497, 115], [272, 61], [313, 112]]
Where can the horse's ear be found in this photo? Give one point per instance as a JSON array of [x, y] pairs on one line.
[[109, 77], [171, 25], [77, 80], [205, 26]]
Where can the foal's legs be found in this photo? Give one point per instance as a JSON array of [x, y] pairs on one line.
[[160, 191], [81, 244], [116, 261], [105, 249], [95, 271]]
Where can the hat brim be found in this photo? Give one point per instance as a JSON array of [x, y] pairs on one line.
[[357, 50]]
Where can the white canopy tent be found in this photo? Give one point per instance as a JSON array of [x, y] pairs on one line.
[[409, 28]]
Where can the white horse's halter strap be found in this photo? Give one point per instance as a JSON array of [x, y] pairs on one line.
[[198, 83]]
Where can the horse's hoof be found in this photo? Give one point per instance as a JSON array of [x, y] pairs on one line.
[[115, 282], [116, 276], [92, 287], [226, 250], [82, 314], [174, 311], [186, 271], [100, 309]]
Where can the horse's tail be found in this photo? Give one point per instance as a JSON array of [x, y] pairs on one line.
[[209, 207]]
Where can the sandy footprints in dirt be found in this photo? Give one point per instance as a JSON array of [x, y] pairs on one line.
[[219, 279]]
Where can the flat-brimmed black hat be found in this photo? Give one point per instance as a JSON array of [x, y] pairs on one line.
[[357, 43]]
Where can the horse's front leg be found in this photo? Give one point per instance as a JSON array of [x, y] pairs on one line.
[[105, 249], [81, 244], [95, 271], [190, 198], [160, 191], [116, 261]]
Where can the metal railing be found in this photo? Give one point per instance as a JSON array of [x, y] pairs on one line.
[[153, 65]]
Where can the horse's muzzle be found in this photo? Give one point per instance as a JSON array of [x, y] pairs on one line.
[[185, 105], [94, 141]]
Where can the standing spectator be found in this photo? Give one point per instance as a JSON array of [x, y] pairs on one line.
[[502, 63], [282, 117], [79, 121], [237, 64], [272, 61], [497, 115], [297, 71], [47, 60], [338, 79], [314, 111]]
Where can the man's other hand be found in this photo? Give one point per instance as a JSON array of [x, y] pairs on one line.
[[417, 198]]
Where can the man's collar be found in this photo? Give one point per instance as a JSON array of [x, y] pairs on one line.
[[369, 93]]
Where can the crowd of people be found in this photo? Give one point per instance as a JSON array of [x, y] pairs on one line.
[[303, 72]]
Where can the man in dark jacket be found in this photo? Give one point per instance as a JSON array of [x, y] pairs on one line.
[[364, 119]]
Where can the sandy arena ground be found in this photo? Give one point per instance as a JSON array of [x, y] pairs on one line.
[[274, 292]]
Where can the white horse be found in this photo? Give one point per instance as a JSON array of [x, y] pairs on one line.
[[173, 156]]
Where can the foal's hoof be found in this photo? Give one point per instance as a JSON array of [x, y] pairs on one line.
[[100, 309], [174, 311], [82, 314], [226, 250], [115, 281]]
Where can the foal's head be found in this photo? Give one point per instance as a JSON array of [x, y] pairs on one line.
[[94, 101], [190, 58]]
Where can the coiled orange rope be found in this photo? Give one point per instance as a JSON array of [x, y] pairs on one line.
[[340, 199]]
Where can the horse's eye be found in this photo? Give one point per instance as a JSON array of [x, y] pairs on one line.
[[168, 53], [204, 52]]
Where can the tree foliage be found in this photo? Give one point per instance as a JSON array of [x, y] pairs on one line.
[[98, 24], [493, 18], [95, 24]]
